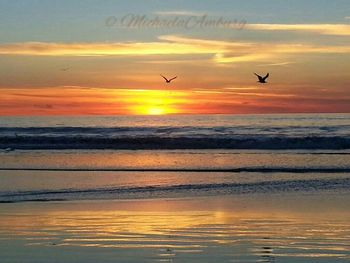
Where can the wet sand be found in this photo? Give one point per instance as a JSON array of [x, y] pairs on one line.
[[288, 227]]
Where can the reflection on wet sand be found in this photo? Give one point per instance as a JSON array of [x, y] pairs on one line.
[[165, 236]]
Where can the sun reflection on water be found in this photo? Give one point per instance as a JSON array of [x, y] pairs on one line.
[[168, 235]]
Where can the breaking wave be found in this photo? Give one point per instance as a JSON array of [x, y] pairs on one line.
[[183, 190], [174, 138]]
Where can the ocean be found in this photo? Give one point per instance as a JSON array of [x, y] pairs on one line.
[[301, 131], [218, 188], [123, 157]]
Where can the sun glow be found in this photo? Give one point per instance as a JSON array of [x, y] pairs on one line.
[[156, 111], [154, 102]]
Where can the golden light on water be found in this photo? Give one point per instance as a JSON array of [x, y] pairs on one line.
[[163, 228]]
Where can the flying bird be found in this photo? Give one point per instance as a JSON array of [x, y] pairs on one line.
[[65, 69], [262, 79], [168, 80]]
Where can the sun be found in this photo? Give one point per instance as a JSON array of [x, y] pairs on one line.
[[153, 109], [156, 111], [152, 102]]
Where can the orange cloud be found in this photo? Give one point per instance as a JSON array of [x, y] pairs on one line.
[[96, 101], [79, 100]]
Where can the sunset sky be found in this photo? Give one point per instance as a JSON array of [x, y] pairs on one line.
[[64, 57]]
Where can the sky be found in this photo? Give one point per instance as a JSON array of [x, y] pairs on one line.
[[64, 57]]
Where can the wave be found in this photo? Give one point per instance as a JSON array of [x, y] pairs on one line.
[[229, 130], [187, 137], [172, 138], [194, 170], [176, 190], [169, 143]]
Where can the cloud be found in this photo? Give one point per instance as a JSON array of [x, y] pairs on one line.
[[221, 58], [245, 94], [179, 13], [166, 45], [44, 106], [286, 63], [322, 29], [101, 49], [221, 52], [205, 42]]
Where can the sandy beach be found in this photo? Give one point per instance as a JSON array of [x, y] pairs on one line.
[[303, 227]]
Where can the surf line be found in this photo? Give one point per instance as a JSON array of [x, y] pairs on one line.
[[190, 170]]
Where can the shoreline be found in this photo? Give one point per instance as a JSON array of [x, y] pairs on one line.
[[285, 227]]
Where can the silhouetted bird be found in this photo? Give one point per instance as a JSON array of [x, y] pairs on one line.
[[262, 79], [168, 80], [65, 69]]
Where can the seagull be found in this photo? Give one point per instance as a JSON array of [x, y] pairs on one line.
[[65, 69], [168, 80], [262, 79]]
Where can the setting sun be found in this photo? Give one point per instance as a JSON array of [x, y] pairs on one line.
[[156, 111], [154, 102]]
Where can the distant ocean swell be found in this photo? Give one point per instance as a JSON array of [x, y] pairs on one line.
[[175, 190], [328, 170], [173, 138]]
